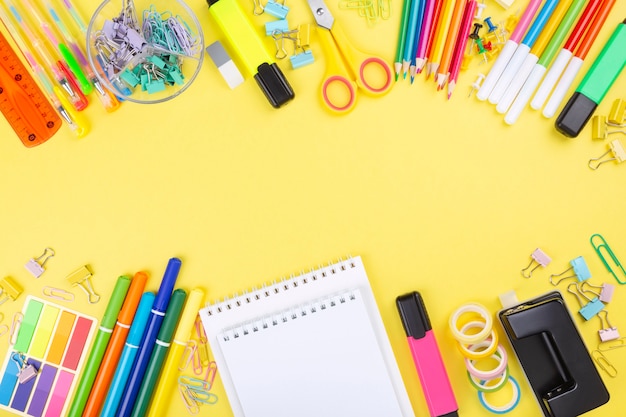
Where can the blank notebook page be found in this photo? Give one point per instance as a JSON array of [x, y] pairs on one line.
[[311, 346]]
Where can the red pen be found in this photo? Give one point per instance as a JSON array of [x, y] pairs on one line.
[[428, 362]]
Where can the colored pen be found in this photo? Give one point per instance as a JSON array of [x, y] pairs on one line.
[[440, 37], [565, 54], [66, 112], [522, 51], [167, 381], [532, 56], [574, 65], [57, 68], [64, 51], [99, 346], [124, 366], [416, 5], [426, 356], [429, 10], [451, 38], [546, 58], [116, 344], [594, 86], [508, 50], [157, 313], [172, 316], [404, 24], [107, 99], [459, 52]]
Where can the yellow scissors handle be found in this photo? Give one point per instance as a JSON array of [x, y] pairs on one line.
[[338, 86]]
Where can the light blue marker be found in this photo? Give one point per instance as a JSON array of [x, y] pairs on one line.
[[522, 51]]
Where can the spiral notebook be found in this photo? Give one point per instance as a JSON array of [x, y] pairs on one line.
[[310, 346]]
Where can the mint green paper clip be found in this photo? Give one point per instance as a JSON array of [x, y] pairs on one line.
[[603, 246]]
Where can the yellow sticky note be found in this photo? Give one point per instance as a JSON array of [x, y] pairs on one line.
[[47, 320]]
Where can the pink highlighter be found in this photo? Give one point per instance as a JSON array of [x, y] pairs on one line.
[[426, 355]]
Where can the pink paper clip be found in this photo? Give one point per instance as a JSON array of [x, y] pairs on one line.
[[211, 372], [188, 354]]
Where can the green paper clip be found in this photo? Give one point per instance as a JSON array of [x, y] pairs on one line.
[[603, 245]]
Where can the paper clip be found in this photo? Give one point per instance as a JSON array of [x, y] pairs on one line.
[[540, 258], [9, 289], [607, 332], [617, 115], [203, 349], [605, 246], [616, 148], [58, 294], [603, 363], [211, 372], [600, 128], [4, 329], [612, 344], [193, 383], [188, 354], [190, 403], [204, 397], [591, 307], [581, 271], [15, 327], [82, 278], [36, 265], [606, 291]]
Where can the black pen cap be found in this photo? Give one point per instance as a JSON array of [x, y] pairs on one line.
[[413, 314], [274, 84], [575, 115]]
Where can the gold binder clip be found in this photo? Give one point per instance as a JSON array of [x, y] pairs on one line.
[[603, 363], [617, 115], [616, 148], [9, 289], [82, 278]]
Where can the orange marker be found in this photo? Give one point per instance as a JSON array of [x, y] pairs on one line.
[[114, 348]]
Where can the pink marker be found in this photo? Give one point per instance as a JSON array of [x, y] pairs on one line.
[[508, 50], [428, 362]]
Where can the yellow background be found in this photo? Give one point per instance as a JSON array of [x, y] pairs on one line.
[[436, 195]]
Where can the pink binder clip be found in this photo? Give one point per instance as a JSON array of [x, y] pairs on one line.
[[539, 258]]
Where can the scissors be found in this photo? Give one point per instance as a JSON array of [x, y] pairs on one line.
[[346, 66]]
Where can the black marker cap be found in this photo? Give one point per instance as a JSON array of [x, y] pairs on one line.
[[274, 84], [413, 314], [575, 115]]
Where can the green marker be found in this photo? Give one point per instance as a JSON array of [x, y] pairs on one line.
[[159, 353], [99, 346], [594, 86]]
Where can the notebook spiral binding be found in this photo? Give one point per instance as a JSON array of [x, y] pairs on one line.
[[267, 290]]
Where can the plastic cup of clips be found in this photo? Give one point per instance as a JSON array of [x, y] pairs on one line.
[[145, 51]]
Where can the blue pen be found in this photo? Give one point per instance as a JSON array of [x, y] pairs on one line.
[[128, 355], [522, 51], [157, 313]]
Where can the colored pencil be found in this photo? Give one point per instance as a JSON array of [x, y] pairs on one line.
[[433, 31], [459, 52], [410, 35], [564, 55], [577, 60], [440, 37], [404, 23], [522, 50], [522, 73], [508, 50], [429, 13], [417, 35], [450, 43]]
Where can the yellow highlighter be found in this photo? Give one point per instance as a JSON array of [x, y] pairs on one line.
[[251, 51], [169, 374]]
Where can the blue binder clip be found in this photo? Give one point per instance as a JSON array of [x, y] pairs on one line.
[[302, 44], [603, 246], [589, 308], [301, 59], [276, 26], [276, 9], [580, 269]]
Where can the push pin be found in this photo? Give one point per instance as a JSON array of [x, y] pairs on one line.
[[9, 289], [617, 115], [601, 247], [278, 10], [474, 35], [580, 269], [492, 27], [600, 128], [540, 258], [82, 278], [589, 307], [480, 8], [616, 148], [477, 83], [607, 331], [35, 265]]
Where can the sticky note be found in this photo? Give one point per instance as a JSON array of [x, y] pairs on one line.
[[59, 394], [76, 347], [9, 380], [27, 328], [22, 393], [42, 390], [62, 335], [46, 323]]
